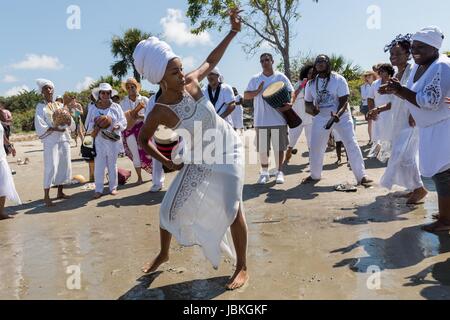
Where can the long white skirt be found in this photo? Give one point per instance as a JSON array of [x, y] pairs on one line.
[[403, 166], [7, 187]]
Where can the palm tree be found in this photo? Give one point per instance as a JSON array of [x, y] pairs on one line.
[[123, 49], [345, 67]]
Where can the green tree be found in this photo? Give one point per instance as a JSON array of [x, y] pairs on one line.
[[122, 48], [267, 21]]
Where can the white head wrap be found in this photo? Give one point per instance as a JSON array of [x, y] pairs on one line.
[[41, 83], [151, 57], [217, 72], [103, 87], [432, 36]]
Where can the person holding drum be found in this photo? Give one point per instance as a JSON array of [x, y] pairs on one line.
[[221, 95], [205, 199], [134, 105], [56, 141], [327, 95], [106, 122], [271, 126]]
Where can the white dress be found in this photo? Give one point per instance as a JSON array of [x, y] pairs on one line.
[[204, 198], [7, 187], [403, 166]]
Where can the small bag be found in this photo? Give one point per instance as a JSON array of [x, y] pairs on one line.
[[88, 151], [309, 109], [123, 176]]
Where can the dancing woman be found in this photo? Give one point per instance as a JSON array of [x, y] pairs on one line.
[[205, 199]]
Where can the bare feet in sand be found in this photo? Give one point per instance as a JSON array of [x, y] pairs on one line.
[[49, 203], [238, 280], [309, 180], [417, 196], [114, 193], [4, 216], [154, 265], [438, 226], [366, 182], [97, 195], [62, 196]]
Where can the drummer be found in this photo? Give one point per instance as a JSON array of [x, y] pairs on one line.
[[327, 95], [130, 144], [221, 95], [271, 126]]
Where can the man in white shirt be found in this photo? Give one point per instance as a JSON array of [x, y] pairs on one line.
[[270, 123], [221, 95], [328, 95]]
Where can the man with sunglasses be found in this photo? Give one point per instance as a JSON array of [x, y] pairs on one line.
[[271, 126], [328, 94]]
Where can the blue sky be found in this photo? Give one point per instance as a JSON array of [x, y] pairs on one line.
[[36, 42]]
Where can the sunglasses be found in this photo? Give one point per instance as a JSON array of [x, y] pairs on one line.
[[105, 92], [265, 60]]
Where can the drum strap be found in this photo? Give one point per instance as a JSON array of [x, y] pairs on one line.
[[214, 98]]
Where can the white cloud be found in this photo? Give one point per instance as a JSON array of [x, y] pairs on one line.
[[35, 62], [9, 79], [189, 63], [85, 84], [177, 31], [16, 90]]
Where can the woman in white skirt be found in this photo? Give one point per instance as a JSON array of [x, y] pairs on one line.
[[205, 199], [7, 188]]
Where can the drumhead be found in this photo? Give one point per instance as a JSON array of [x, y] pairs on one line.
[[273, 88], [164, 135]]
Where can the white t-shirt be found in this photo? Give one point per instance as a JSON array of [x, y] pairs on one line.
[[366, 90], [128, 105], [380, 99], [264, 114], [299, 106], [226, 97], [326, 95], [238, 114]]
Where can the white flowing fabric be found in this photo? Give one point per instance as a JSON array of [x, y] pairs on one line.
[[403, 165], [57, 158], [7, 187], [307, 119], [204, 198]]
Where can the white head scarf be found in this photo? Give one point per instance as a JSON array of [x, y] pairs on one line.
[[41, 83], [432, 36], [217, 72], [151, 57]]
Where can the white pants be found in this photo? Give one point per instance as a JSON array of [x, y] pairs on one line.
[[107, 154], [158, 176], [133, 146], [57, 163], [319, 141], [294, 135]]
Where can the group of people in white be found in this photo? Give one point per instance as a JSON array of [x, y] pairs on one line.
[[408, 110]]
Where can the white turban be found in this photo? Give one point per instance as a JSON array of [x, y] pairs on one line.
[[432, 36], [151, 57], [217, 72], [41, 83]]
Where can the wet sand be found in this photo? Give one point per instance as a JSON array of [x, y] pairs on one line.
[[305, 242]]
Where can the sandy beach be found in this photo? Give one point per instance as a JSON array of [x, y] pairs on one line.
[[305, 241]]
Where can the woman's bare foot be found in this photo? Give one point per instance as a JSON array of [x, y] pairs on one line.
[[417, 196], [436, 216], [49, 203], [62, 196], [114, 193], [438, 226], [154, 265], [97, 195], [4, 216], [238, 280]]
